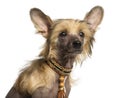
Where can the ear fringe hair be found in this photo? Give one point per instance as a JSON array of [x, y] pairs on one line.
[[87, 51]]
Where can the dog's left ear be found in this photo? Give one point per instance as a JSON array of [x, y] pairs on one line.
[[94, 17], [41, 21]]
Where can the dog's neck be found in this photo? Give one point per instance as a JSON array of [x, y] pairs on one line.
[[61, 70], [66, 61]]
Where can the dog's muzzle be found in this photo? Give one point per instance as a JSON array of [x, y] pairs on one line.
[[76, 44]]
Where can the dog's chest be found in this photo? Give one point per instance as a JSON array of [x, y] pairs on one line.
[[51, 92]]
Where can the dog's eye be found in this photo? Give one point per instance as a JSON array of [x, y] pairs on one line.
[[63, 34], [81, 34]]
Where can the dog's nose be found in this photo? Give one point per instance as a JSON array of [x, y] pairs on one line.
[[76, 44]]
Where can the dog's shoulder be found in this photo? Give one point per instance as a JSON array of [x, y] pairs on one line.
[[35, 76]]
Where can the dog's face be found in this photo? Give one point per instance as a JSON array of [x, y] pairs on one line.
[[67, 37]]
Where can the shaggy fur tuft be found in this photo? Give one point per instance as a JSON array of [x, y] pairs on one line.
[[67, 41]]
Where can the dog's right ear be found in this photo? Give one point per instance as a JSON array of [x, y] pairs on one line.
[[41, 21], [94, 17]]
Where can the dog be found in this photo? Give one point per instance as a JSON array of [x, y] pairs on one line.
[[67, 41]]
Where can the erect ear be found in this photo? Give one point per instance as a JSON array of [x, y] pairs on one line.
[[41, 21], [94, 17]]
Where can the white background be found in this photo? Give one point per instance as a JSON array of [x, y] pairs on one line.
[[99, 76]]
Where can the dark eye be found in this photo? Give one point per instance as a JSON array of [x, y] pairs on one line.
[[81, 34], [63, 34]]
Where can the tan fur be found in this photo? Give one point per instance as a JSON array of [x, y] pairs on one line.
[[35, 76], [39, 74], [72, 26]]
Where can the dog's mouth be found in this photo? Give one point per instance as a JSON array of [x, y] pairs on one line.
[[70, 50], [76, 47], [75, 51]]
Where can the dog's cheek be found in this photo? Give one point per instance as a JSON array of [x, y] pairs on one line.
[[62, 43]]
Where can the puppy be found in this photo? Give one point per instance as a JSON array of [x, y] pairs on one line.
[[67, 41]]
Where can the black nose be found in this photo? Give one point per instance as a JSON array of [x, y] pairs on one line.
[[76, 44]]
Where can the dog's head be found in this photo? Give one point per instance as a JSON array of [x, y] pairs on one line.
[[67, 37]]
